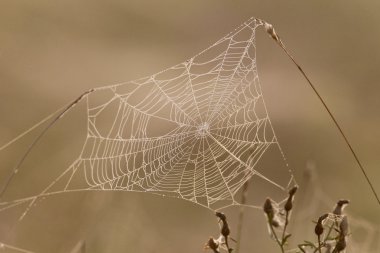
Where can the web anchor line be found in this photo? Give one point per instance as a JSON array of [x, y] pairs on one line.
[[218, 90], [137, 130], [272, 33], [36, 140]]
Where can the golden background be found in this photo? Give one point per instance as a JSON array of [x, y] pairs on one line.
[[51, 51]]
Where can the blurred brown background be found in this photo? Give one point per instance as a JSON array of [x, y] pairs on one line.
[[51, 51]]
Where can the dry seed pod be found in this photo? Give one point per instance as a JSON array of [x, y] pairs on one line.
[[270, 30], [293, 191], [319, 227], [268, 208], [221, 216], [289, 203], [212, 244], [225, 230], [341, 244], [340, 205]]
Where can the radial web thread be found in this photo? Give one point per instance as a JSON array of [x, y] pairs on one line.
[[195, 131]]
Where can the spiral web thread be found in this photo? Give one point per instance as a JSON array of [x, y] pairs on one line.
[[195, 131]]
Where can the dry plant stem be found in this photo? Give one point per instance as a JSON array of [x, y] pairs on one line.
[[228, 246], [285, 226], [5, 145], [319, 249], [241, 216], [302, 250], [319, 244], [273, 34], [31, 146], [329, 233], [275, 235]]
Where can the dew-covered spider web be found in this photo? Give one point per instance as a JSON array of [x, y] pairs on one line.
[[195, 131]]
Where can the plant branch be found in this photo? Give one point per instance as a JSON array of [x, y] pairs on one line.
[[319, 244], [241, 216], [275, 235], [270, 30], [31, 146], [285, 226]]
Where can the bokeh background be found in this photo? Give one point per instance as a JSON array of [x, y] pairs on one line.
[[51, 51]]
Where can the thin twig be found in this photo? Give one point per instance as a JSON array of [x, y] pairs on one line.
[[325, 239], [270, 30], [319, 244], [5, 145], [329, 232], [58, 117], [275, 235], [244, 196], [285, 226], [228, 246]]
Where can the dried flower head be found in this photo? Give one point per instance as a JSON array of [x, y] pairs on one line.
[[293, 191], [319, 227], [212, 244], [289, 203], [340, 205], [341, 244], [343, 231], [270, 30], [225, 230], [268, 208], [221, 216]]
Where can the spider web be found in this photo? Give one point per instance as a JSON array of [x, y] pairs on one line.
[[195, 131]]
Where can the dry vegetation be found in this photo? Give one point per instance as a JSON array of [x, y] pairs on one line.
[[331, 229]]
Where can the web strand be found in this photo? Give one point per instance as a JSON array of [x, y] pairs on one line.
[[195, 131], [270, 30]]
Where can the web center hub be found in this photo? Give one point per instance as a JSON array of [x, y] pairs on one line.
[[203, 130]]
